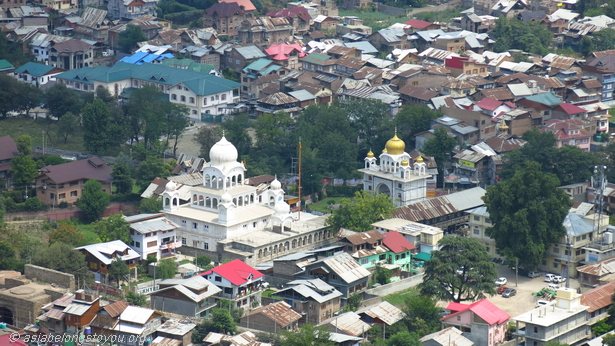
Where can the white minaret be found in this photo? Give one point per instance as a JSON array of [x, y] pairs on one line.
[[170, 196]]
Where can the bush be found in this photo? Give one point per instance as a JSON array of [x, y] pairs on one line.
[[63, 205], [33, 204]]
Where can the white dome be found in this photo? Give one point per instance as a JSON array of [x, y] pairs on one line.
[[223, 152], [226, 198], [282, 208], [276, 185], [171, 186]]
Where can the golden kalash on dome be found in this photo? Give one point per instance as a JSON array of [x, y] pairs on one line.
[[395, 146]]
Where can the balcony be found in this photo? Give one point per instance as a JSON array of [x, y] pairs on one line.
[[244, 292], [170, 245]]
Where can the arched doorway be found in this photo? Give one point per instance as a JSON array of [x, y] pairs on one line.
[[383, 188], [6, 316]]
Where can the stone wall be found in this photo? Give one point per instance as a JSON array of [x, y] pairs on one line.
[[37, 273]]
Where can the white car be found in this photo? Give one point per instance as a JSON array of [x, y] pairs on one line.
[[542, 302], [549, 277], [553, 286], [559, 279], [501, 281]]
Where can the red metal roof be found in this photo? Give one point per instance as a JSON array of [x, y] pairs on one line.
[[8, 148], [291, 12], [483, 308], [599, 297], [397, 242], [489, 104], [236, 271], [282, 51], [418, 24], [455, 62], [571, 109]]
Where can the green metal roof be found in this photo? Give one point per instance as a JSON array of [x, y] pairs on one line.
[[198, 82], [5, 65], [316, 58], [187, 64], [35, 69], [547, 99], [422, 256], [258, 65]]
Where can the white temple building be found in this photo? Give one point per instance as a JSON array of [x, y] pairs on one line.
[[396, 175], [230, 219]]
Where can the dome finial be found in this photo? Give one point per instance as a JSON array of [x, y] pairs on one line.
[[222, 132]]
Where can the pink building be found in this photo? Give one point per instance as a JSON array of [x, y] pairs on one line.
[[482, 321], [572, 132]]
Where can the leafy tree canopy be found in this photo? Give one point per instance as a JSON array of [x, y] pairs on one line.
[[66, 233], [526, 221], [166, 269], [360, 212], [516, 34], [129, 38], [461, 270], [440, 146], [112, 228], [93, 201], [307, 335]]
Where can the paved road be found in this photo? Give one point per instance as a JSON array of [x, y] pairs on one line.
[[438, 8]]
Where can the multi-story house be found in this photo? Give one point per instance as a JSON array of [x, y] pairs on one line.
[[202, 93], [131, 9], [153, 235], [564, 321], [400, 250], [598, 300], [272, 318], [36, 74], [263, 31], [63, 183], [314, 299], [482, 321], [365, 247], [256, 76], [602, 67], [136, 324], [286, 54], [41, 43], [423, 237], [239, 57], [91, 25], [6, 4], [572, 132], [71, 54], [70, 313], [340, 271], [240, 284], [225, 17], [478, 225], [101, 255], [297, 16], [192, 297], [318, 62]]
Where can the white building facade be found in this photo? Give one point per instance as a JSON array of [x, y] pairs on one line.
[[395, 175], [153, 235]]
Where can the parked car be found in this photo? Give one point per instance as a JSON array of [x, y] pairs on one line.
[[501, 289], [509, 292], [549, 277], [533, 274], [553, 286], [559, 279], [542, 302], [501, 281]]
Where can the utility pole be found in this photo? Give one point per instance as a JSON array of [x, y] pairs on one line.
[[516, 271]]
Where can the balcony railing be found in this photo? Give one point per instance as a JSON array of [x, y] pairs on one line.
[[170, 245]]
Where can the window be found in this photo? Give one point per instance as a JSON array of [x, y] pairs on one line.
[[62, 196], [152, 243], [138, 244], [183, 98], [195, 243], [218, 279], [194, 112], [204, 101], [535, 329], [476, 218], [206, 226], [195, 225], [73, 193], [183, 241], [191, 99], [223, 97], [206, 245], [173, 97], [184, 222], [477, 231]]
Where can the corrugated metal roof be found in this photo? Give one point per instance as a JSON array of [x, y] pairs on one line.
[[76, 309], [137, 315], [350, 323], [385, 312], [154, 225], [346, 267], [280, 312]]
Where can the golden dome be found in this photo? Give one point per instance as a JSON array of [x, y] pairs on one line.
[[384, 151], [395, 146], [405, 163], [419, 159], [370, 154]]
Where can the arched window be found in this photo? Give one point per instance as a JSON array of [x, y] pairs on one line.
[[275, 249], [201, 201], [234, 179], [235, 201], [260, 253], [207, 180], [213, 179], [175, 201], [294, 243], [214, 203], [167, 201], [287, 246], [240, 200], [310, 239], [265, 252], [252, 198], [240, 178], [194, 199], [208, 202]]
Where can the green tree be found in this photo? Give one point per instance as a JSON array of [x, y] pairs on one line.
[[60, 100], [8, 259], [23, 165], [150, 205], [113, 227], [361, 211], [202, 261], [2, 210], [440, 146], [129, 38], [13, 52], [307, 335], [66, 233], [67, 125], [29, 97], [175, 123], [9, 93], [382, 275], [413, 119], [61, 257], [526, 221], [93, 201], [222, 322], [149, 169], [137, 299], [515, 34], [371, 120], [608, 340], [206, 138], [461, 270], [354, 302], [166, 269], [102, 127], [121, 177], [147, 111], [118, 271], [403, 339], [422, 314], [598, 41]]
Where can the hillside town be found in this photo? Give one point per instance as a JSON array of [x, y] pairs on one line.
[[273, 173]]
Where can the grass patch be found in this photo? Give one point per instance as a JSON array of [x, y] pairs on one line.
[[399, 298], [377, 20], [89, 234], [35, 129], [323, 205], [439, 16], [268, 293]]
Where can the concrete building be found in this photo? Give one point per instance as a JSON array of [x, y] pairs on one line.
[[273, 318], [395, 176], [564, 321], [192, 297], [482, 322], [100, 256], [240, 284], [340, 271], [71, 54], [153, 234], [36, 74], [131, 9], [227, 218], [424, 237]]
